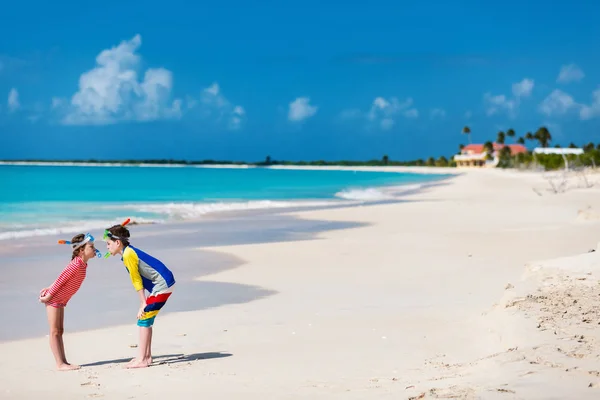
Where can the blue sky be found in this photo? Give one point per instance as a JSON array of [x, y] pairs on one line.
[[293, 80]]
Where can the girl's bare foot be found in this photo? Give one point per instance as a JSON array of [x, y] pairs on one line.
[[67, 367]]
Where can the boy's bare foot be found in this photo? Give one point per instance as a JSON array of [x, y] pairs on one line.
[[130, 362], [67, 367], [135, 363]]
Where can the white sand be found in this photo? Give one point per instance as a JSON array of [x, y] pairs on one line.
[[413, 305]]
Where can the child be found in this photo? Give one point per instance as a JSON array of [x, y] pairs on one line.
[[146, 273], [58, 295]]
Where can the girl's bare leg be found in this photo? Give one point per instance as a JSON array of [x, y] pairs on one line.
[[56, 317]]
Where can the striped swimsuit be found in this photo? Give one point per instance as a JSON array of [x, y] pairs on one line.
[[146, 272], [67, 283]]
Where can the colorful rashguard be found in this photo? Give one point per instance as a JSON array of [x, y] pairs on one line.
[[67, 284], [149, 273]]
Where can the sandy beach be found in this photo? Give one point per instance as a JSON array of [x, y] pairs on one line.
[[481, 287]]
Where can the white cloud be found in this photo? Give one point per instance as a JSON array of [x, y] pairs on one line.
[[301, 109], [523, 88], [496, 104], [13, 100], [111, 92], [387, 123], [412, 113], [438, 112], [593, 110], [213, 103], [570, 73], [57, 102], [238, 115], [385, 112], [557, 103]]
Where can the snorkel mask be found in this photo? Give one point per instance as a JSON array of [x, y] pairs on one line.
[[75, 246], [107, 235]]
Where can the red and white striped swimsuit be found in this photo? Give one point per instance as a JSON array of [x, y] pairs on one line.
[[67, 283]]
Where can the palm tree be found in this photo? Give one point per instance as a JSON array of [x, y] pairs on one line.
[[505, 157], [467, 131], [385, 159], [529, 136], [521, 140], [510, 133], [501, 137], [543, 136], [489, 147], [505, 152]]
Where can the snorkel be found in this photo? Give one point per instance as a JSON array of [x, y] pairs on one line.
[[75, 246], [108, 235]]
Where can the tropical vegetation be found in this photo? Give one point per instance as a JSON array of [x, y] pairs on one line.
[[542, 138]]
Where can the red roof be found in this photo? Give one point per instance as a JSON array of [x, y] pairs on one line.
[[479, 148]]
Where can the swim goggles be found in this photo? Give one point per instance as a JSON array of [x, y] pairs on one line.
[[107, 235], [75, 246]]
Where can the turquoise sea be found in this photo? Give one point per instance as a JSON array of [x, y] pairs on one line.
[[42, 200]]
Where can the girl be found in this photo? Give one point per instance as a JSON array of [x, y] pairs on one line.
[[146, 274], [58, 295]]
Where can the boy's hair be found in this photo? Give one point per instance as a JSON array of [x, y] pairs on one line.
[[77, 239], [121, 232]]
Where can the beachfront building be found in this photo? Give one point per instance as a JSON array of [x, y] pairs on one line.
[[476, 155]]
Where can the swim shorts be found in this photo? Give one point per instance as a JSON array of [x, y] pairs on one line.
[[154, 303]]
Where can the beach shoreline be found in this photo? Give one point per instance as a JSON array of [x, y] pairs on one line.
[[408, 301], [158, 210]]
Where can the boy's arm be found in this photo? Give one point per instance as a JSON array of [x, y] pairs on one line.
[[69, 272], [131, 261]]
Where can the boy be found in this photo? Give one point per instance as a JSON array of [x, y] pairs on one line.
[[146, 273]]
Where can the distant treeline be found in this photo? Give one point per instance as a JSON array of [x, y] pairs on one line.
[[441, 161], [590, 158]]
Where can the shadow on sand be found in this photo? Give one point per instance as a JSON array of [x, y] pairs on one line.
[[165, 359]]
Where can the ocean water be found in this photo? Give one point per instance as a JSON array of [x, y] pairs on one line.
[[43, 200]]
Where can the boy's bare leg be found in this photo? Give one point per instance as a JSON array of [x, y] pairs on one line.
[[144, 359], [149, 347], [56, 318]]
